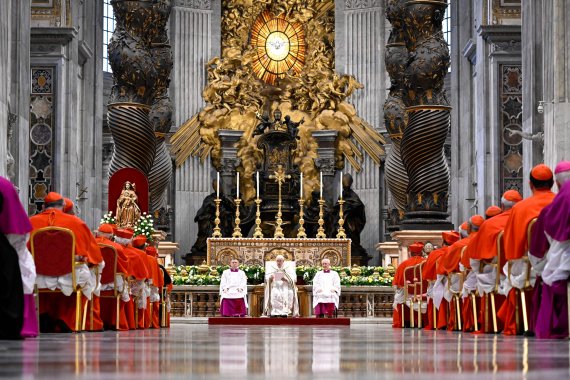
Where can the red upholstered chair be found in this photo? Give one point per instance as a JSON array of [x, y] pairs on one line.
[[491, 296], [456, 291], [521, 303], [109, 276], [53, 249]]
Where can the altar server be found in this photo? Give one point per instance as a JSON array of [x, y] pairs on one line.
[[280, 290], [326, 291], [233, 291]]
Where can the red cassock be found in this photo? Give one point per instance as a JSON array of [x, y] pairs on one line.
[[516, 245], [483, 247], [57, 305], [429, 274], [108, 305], [467, 305], [152, 320], [449, 263], [399, 281]]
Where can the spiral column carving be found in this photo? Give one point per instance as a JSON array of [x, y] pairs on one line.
[[395, 116], [428, 112], [139, 109], [161, 109]]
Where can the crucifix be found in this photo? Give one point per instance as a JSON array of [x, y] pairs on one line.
[[279, 176]]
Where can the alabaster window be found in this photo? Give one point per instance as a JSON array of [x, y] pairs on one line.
[[108, 29]]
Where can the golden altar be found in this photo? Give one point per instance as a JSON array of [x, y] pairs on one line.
[[251, 251]]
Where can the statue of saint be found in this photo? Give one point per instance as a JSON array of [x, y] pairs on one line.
[[292, 127], [128, 211], [354, 218], [263, 125], [205, 219]]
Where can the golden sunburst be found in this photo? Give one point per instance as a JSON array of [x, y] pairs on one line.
[[280, 47]]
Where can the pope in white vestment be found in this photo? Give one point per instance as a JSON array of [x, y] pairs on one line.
[[280, 290], [326, 290], [233, 291]]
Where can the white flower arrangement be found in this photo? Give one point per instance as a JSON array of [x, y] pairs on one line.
[[108, 218], [145, 226]]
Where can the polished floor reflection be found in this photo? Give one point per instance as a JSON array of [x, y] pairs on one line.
[[360, 351]]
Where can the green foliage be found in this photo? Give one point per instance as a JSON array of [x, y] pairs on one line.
[[189, 275]]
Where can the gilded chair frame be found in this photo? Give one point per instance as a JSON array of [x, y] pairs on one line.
[[420, 290], [116, 294], [407, 295], [77, 290], [491, 296], [457, 295]]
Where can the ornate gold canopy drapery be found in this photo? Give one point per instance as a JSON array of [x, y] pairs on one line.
[[277, 55]]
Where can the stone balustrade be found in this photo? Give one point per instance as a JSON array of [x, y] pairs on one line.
[[356, 301]]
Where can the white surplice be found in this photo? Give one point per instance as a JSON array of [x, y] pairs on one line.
[[281, 295], [326, 288], [233, 285]]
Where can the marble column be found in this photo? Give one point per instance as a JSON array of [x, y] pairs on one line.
[[5, 34], [195, 38], [360, 40], [546, 23], [325, 163]]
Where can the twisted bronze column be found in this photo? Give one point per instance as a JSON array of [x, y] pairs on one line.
[[395, 117], [161, 110], [134, 77], [428, 115]]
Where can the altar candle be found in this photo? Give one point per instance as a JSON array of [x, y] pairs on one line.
[[301, 185], [237, 188], [217, 184], [340, 187], [257, 193], [321, 185]]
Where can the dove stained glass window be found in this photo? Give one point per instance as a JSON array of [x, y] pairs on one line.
[[279, 46]]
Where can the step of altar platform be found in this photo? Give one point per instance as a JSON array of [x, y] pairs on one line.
[[264, 321]]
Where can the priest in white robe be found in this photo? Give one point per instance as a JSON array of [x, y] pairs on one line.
[[233, 291], [326, 291], [280, 289]]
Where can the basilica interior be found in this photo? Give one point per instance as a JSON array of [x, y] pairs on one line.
[[307, 129]]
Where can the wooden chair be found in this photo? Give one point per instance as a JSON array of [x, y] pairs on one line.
[[53, 249], [420, 290], [109, 276], [526, 285], [409, 289]]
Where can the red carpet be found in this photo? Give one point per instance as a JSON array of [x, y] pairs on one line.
[[279, 321]]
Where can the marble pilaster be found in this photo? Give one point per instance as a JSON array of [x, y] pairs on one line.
[[195, 38], [360, 40]]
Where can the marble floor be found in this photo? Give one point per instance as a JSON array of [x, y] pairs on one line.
[[358, 352]]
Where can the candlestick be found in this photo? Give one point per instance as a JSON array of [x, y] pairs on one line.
[[340, 186], [217, 231], [217, 184], [321, 185], [301, 187], [257, 192], [237, 187], [258, 234], [237, 229], [341, 234], [321, 231], [301, 232]]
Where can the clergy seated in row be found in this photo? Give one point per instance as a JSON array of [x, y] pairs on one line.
[[148, 295], [233, 291], [401, 313], [280, 289], [140, 272], [429, 274], [549, 252], [326, 291], [57, 310], [483, 252], [516, 247], [108, 306]]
